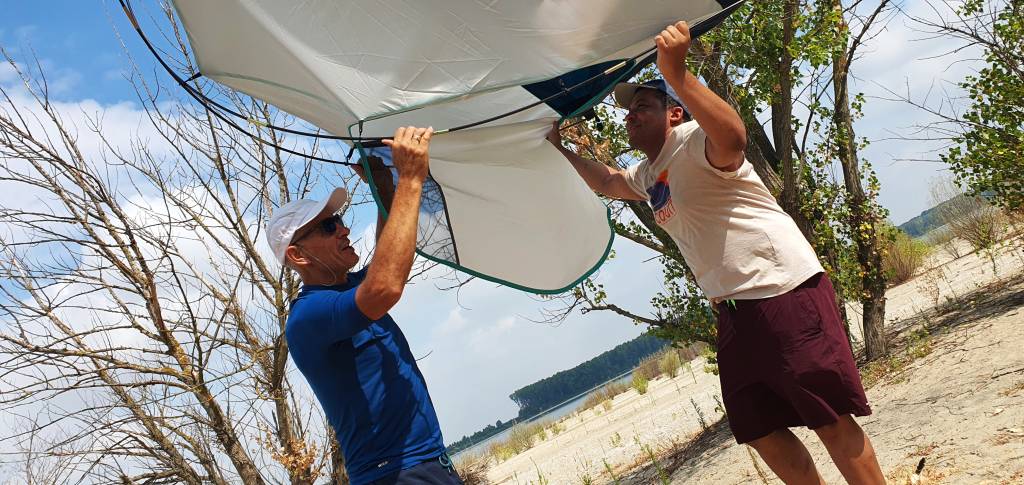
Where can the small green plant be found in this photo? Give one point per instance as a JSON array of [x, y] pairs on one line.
[[611, 472], [640, 383], [710, 361], [662, 475], [542, 434], [918, 344], [616, 439], [719, 407], [541, 479], [520, 438], [586, 479], [689, 368], [700, 415], [606, 393]]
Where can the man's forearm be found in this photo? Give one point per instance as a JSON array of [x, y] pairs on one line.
[[392, 259], [593, 173]]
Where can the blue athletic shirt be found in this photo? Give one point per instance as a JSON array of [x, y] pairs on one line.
[[366, 379]]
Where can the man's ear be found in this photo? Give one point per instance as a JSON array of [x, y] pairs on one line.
[[294, 257], [676, 115]]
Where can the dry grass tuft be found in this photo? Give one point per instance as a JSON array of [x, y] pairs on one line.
[[902, 258], [473, 469], [604, 395], [1013, 390]]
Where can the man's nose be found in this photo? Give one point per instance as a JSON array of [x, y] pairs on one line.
[[344, 231]]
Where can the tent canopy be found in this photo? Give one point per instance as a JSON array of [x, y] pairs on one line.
[[502, 203]]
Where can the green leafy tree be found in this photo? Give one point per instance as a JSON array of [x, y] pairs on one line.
[[775, 58], [987, 155]]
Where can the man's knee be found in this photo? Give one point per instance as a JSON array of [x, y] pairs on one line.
[[764, 443], [831, 432], [778, 441], [843, 429], [783, 448]]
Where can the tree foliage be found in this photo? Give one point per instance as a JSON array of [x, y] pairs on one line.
[[987, 155], [772, 60]]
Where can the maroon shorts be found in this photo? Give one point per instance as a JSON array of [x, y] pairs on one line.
[[785, 361]]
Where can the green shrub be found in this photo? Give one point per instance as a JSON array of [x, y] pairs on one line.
[[670, 363], [640, 382], [903, 256]]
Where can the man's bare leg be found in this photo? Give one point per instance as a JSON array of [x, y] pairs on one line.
[[851, 451], [788, 458]]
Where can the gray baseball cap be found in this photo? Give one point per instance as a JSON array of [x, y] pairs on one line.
[[624, 92]]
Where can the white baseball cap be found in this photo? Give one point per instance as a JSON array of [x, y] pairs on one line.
[[289, 218]]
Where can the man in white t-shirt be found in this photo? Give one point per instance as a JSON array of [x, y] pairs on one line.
[[784, 359]]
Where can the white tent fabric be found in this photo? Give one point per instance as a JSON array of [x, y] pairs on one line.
[[513, 208]]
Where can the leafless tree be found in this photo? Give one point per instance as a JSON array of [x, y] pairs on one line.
[[141, 315]]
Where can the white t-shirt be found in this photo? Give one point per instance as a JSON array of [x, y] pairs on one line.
[[730, 230]]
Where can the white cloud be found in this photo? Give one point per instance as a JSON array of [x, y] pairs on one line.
[[455, 323]]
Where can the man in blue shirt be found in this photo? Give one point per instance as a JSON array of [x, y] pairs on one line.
[[340, 336]]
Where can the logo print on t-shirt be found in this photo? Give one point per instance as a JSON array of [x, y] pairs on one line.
[[661, 199]]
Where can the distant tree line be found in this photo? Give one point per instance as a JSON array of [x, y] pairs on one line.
[[483, 434], [920, 225], [551, 391]]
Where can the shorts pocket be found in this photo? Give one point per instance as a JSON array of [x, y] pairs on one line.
[[796, 327]]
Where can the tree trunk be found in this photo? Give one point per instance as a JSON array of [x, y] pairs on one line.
[[782, 124], [863, 219], [760, 151]]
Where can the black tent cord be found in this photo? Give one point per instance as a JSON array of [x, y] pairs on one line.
[[365, 142]]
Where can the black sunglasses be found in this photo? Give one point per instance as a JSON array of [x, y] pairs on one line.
[[326, 227]]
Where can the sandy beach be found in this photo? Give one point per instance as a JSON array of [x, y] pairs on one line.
[[959, 403]]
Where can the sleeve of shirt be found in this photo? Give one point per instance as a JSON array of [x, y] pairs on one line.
[[636, 178], [696, 149], [325, 317]]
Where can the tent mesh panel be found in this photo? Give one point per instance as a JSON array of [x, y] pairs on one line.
[[434, 233], [435, 237]]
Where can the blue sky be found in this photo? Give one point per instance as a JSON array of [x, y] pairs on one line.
[[77, 42], [481, 343]]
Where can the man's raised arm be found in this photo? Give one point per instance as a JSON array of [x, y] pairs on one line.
[[393, 256], [727, 137]]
